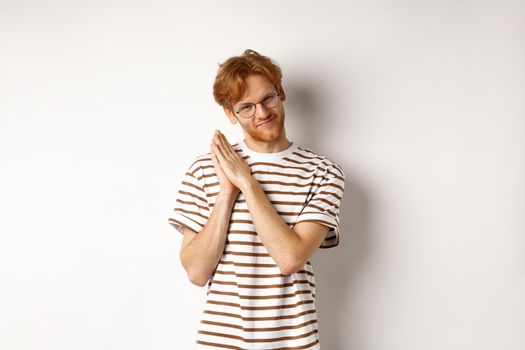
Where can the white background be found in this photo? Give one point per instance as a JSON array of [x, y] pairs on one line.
[[104, 104]]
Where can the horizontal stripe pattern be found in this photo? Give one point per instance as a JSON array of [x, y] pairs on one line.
[[250, 304]]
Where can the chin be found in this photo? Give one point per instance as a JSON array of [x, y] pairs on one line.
[[267, 135]]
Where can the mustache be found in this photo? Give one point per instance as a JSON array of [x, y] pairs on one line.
[[270, 116]]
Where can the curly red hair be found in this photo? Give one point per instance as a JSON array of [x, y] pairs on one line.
[[229, 86]]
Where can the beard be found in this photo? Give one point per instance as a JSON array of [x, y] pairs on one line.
[[261, 134]]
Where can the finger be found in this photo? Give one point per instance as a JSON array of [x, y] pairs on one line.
[[223, 147], [226, 145], [216, 165], [219, 152], [219, 141]]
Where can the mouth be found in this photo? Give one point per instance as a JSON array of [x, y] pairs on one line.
[[267, 122]]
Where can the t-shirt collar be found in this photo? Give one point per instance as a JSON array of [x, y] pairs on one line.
[[260, 156]]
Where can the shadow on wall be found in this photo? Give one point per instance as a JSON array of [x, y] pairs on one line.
[[338, 270]]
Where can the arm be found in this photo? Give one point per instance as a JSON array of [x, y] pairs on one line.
[[289, 247], [200, 253]]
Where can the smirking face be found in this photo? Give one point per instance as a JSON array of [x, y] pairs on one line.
[[266, 126]]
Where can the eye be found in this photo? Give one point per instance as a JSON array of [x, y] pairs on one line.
[[245, 108], [270, 100]]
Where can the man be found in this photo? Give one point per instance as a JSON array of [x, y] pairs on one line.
[[253, 214]]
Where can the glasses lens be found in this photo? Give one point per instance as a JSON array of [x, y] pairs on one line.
[[247, 111], [271, 101]]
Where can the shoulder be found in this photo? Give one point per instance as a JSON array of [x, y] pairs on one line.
[[319, 161], [199, 164]]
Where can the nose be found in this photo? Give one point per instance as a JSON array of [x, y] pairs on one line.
[[260, 111]]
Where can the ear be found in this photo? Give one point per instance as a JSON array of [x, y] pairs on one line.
[[282, 95], [230, 115]]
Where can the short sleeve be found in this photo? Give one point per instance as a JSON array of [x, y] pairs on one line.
[[323, 206], [191, 205]]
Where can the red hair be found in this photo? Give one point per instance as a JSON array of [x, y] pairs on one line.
[[229, 86]]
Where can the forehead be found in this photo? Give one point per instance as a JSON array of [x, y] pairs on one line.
[[256, 87]]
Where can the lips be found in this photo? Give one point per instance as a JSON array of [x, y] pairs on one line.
[[266, 122]]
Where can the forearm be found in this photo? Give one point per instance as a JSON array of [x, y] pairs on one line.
[[202, 254], [281, 242]]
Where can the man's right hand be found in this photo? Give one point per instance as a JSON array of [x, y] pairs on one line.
[[227, 186]]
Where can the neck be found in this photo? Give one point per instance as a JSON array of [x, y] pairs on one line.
[[267, 147]]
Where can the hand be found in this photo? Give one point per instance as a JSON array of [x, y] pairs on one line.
[[226, 185], [232, 170]]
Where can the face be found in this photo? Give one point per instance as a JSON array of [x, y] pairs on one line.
[[267, 125]]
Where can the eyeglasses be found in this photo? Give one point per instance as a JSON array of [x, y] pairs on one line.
[[248, 110]]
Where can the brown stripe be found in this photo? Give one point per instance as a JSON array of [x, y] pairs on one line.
[[337, 176], [224, 262], [245, 275], [192, 203], [300, 347], [247, 253], [319, 221], [305, 156], [262, 286], [282, 213], [267, 340], [276, 202], [255, 308], [290, 175], [237, 348], [333, 237], [190, 212], [265, 318], [189, 184], [324, 200], [243, 232], [255, 244], [299, 162], [331, 193], [322, 210], [217, 345], [194, 196], [277, 307], [259, 275], [267, 182], [329, 246], [242, 221], [331, 184], [172, 221], [263, 329], [287, 193], [228, 262], [262, 297], [279, 202]]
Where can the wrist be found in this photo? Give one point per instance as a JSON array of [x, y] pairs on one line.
[[228, 195], [248, 184]]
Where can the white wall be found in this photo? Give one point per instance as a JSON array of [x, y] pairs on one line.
[[103, 104]]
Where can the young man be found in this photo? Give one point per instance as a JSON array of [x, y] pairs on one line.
[[253, 214]]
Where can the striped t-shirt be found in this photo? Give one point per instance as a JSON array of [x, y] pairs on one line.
[[250, 304]]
